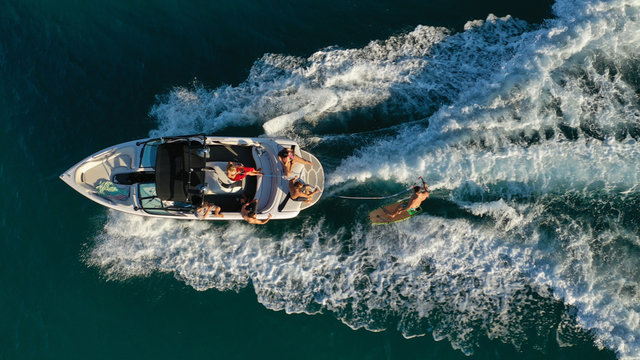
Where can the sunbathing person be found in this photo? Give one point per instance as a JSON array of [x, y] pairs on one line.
[[237, 172], [298, 191], [288, 158]]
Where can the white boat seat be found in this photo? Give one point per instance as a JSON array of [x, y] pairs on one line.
[[217, 181]]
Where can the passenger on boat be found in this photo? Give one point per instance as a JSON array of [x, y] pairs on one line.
[[298, 191], [288, 158], [203, 211], [248, 212], [237, 172]]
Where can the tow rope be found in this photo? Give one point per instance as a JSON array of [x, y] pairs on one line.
[[378, 197], [369, 197]]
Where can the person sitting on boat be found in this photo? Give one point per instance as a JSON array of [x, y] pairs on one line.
[[298, 191], [248, 212], [411, 206], [237, 172], [288, 158], [203, 211]]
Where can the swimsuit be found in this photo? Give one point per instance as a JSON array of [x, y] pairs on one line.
[[411, 211], [287, 155], [241, 172]]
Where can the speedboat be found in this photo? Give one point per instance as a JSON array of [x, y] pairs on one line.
[[173, 177]]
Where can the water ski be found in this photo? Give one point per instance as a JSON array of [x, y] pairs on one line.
[[380, 216]]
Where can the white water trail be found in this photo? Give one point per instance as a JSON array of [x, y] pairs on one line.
[[553, 119], [282, 90]]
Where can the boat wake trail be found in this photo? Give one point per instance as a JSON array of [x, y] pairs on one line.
[[528, 137], [283, 90]]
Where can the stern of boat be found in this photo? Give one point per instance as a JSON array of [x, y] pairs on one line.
[[313, 176]]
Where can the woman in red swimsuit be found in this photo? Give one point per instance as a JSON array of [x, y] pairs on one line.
[[237, 172]]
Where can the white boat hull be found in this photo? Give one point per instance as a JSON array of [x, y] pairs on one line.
[[123, 178]]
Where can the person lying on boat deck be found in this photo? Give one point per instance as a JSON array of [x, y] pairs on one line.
[[299, 191], [237, 172], [411, 206], [203, 211], [288, 158], [248, 212]]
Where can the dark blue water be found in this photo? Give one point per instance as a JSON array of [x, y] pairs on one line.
[[524, 125]]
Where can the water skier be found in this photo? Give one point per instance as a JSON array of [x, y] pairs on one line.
[[411, 206]]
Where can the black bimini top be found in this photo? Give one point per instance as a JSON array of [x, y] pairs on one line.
[[178, 169]]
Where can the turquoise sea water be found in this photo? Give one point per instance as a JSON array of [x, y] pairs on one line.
[[524, 119]]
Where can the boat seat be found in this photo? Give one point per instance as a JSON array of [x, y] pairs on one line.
[[94, 172], [217, 180]]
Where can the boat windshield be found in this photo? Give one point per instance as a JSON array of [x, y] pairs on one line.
[[149, 151], [152, 204]]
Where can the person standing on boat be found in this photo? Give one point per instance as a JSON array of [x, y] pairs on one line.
[[288, 158], [248, 212], [237, 172]]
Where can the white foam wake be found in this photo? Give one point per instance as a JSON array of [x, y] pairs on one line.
[[281, 90], [450, 276], [560, 115]]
